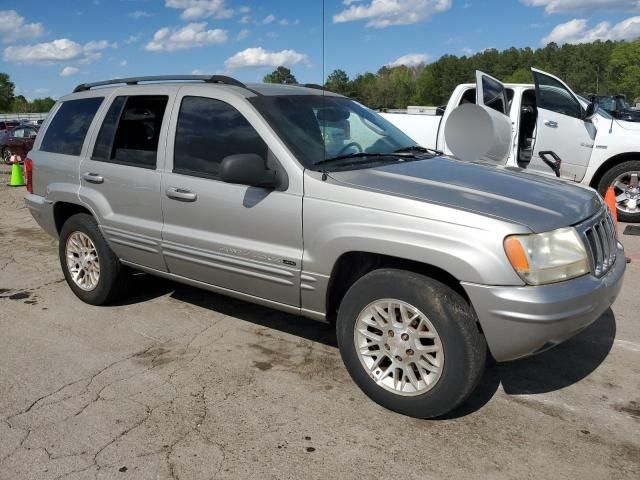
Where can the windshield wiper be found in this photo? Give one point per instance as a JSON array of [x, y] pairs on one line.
[[365, 155], [418, 148]]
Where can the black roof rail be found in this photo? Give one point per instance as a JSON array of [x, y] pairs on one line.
[[313, 85], [223, 79]]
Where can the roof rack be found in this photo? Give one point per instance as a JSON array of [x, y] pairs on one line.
[[83, 87], [315, 86]]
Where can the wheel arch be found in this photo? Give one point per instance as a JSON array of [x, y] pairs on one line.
[[62, 211], [609, 163], [351, 266]]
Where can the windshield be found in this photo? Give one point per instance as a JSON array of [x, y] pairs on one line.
[[317, 128]]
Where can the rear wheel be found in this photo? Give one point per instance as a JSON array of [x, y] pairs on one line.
[[625, 180], [410, 343], [89, 265]]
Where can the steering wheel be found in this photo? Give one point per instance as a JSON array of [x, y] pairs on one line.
[[350, 145]]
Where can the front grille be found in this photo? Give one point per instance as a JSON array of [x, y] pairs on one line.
[[601, 242]]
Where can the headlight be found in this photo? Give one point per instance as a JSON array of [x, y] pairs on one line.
[[547, 257]]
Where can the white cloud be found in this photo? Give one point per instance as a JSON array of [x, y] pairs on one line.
[[284, 22], [193, 9], [383, 13], [60, 50], [467, 51], [259, 57], [68, 71], [190, 36], [578, 31], [132, 39], [242, 34], [268, 19], [410, 60], [123, 63], [13, 27], [138, 14], [567, 6]]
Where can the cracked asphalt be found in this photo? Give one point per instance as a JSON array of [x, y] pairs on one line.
[[178, 383]]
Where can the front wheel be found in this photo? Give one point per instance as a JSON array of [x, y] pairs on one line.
[[624, 178], [410, 343]]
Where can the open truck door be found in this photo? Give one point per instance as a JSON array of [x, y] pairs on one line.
[[563, 126], [481, 131]]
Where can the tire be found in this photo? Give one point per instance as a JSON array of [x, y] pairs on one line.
[[6, 156], [462, 345], [111, 273], [623, 172]]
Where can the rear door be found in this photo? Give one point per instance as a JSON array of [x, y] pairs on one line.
[[561, 128], [491, 92], [120, 177], [239, 238]]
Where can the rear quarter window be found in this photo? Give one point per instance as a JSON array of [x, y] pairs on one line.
[[68, 129]]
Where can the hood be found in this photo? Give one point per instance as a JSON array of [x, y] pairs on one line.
[[535, 201], [629, 125]]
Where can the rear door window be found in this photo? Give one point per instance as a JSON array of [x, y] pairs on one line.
[[209, 130], [130, 131], [69, 127]]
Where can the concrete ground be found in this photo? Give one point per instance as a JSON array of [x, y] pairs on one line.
[[175, 382]]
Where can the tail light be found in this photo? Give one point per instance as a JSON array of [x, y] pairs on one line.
[[28, 173]]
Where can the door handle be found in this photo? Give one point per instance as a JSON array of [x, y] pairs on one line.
[[93, 177], [181, 194], [551, 123]]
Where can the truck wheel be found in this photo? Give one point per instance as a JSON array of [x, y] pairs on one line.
[[624, 180], [90, 267], [410, 343]]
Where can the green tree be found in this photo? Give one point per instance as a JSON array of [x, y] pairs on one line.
[[280, 75], [6, 92], [42, 104], [624, 69], [338, 82], [521, 75]]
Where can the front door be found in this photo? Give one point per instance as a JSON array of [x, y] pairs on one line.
[[239, 238], [561, 128], [120, 178]]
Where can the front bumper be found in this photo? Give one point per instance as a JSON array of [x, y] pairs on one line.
[[520, 321]]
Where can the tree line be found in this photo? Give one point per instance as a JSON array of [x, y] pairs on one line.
[[602, 68], [12, 103]]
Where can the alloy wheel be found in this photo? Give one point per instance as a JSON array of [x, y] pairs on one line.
[[627, 191], [399, 347], [82, 261]]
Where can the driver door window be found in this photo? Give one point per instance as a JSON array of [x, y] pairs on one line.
[[209, 130], [553, 96]]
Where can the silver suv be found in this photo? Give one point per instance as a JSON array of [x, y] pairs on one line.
[[308, 202]]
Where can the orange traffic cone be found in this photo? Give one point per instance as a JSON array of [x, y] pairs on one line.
[[610, 200]]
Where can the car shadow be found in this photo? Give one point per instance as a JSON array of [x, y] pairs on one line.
[[555, 369]]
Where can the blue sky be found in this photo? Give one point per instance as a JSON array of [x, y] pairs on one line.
[[50, 46]]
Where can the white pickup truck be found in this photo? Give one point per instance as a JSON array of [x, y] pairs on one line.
[[595, 149]]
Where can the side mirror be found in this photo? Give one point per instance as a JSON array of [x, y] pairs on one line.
[[592, 110], [248, 169]]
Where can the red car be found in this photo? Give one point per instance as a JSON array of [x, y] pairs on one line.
[[8, 125], [18, 141]]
